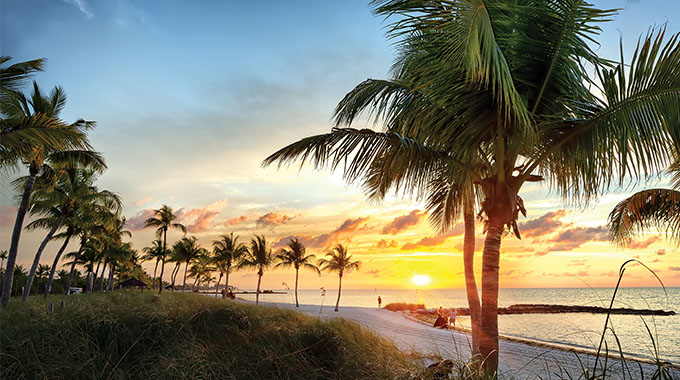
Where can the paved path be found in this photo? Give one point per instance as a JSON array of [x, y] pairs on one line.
[[517, 360]]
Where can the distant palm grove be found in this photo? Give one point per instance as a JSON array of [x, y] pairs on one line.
[[59, 191]]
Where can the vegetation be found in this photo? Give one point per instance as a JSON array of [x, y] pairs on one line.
[[497, 94], [296, 256], [227, 252], [259, 257], [141, 335], [341, 262], [164, 219]]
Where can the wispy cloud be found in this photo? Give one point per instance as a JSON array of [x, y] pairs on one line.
[[82, 6], [403, 222]]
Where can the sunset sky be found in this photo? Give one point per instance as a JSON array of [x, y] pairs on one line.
[[189, 99]]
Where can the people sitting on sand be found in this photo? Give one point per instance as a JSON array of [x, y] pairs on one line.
[[442, 320]]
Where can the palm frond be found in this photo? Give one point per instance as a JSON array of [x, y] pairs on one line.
[[652, 208]]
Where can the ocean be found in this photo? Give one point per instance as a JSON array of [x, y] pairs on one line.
[[579, 330]]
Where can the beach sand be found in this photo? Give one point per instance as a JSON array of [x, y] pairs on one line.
[[516, 360]]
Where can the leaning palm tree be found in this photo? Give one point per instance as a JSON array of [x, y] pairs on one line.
[[164, 219], [260, 257], [154, 253], [75, 149], [189, 249], [296, 257], [504, 85], [201, 269], [56, 199], [651, 208], [340, 262], [227, 251]]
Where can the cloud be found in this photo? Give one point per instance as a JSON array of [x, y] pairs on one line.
[[197, 219], [635, 244], [574, 237], [136, 222], [403, 222], [541, 253], [661, 252], [674, 269], [374, 273], [82, 7], [272, 219], [142, 201], [325, 240], [283, 242], [7, 215], [545, 224], [235, 220], [383, 244]]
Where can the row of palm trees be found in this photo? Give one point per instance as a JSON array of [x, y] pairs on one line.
[[228, 254], [59, 190], [487, 96]]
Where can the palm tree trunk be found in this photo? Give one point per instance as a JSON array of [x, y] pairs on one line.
[[469, 267], [174, 274], [100, 280], [217, 287], [16, 234], [54, 266], [186, 267], [226, 283], [257, 294], [36, 259], [153, 283], [488, 344], [109, 285], [337, 303], [297, 271], [70, 276], [160, 279]]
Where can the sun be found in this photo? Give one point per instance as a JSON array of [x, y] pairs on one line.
[[420, 279]]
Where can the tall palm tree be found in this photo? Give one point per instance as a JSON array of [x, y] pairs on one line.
[[190, 249], [154, 253], [650, 208], [227, 251], [260, 257], [56, 199], [296, 257], [164, 219], [75, 149], [340, 262], [504, 84]]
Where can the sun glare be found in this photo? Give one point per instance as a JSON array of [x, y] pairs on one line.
[[420, 279]]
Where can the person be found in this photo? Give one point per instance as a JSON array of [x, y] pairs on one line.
[[453, 318], [379, 302]]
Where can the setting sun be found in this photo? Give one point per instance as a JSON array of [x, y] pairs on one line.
[[420, 279]]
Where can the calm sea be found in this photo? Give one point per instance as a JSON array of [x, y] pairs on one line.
[[580, 330]]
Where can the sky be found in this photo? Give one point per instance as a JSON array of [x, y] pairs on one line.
[[190, 97]]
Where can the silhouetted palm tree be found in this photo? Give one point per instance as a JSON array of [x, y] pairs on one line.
[[164, 219], [296, 257], [154, 253], [227, 252], [259, 256], [339, 262]]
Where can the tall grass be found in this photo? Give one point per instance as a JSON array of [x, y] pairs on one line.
[[131, 335]]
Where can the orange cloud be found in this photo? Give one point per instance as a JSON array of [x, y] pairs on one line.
[[545, 224], [136, 222], [235, 220], [383, 244], [272, 219], [403, 222], [574, 237], [642, 244], [197, 219], [142, 201]]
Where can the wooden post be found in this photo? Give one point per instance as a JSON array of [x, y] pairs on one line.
[[62, 304], [51, 307]]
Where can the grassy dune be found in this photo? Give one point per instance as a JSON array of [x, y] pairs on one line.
[[127, 335]]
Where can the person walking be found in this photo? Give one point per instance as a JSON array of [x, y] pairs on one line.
[[379, 302]]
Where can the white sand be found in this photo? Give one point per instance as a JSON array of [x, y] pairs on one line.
[[517, 360]]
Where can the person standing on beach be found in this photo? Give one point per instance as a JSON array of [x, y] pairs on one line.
[[379, 302], [453, 318]]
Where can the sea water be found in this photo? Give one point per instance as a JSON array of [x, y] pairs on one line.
[[660, 338]]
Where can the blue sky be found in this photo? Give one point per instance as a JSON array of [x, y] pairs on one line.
[[190, 96]]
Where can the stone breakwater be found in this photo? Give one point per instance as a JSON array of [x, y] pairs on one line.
[[555, 309]]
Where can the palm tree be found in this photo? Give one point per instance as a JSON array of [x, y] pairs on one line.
[[164, 219], [227, 252], [189, 249], [42, 272], [339, 262], [57, 198], [155, 252], [296, 257], [18, 110], [259, 256], [176, 256], [504, 85], [201, 269], [3, 257], [651, 208]]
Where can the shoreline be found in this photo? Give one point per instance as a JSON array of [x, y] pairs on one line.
[[518, 357]]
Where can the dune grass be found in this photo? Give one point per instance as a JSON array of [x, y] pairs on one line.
[[128, 335]]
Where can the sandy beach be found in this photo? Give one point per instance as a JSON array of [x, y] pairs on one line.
[[517, 360]]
